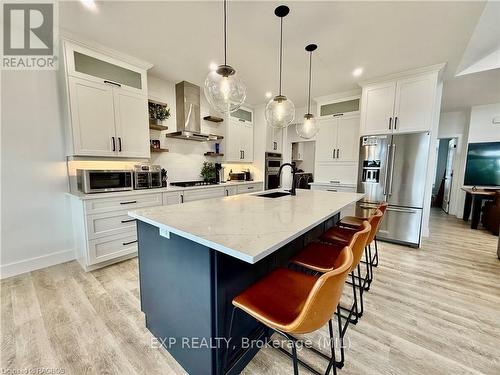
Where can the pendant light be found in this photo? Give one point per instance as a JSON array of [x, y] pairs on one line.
[[280, 111], [224, 90], [308, 128]]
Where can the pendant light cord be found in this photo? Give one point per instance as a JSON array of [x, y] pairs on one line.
[[310, 75], [281, 51], [225, 33]]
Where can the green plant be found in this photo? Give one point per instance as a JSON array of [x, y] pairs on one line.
[[208, 171], [158, 111]]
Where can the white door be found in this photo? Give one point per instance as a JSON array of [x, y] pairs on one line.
[[348, 138], [413, 109], [377, 108], [233, 141], [448, 176], [92, 117], [326, 140], [246, 140], [132, 129]]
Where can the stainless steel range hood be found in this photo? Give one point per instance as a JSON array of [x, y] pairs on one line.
[[187, 101]]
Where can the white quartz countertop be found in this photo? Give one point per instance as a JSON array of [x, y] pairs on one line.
[[247, 227], [168, 189]]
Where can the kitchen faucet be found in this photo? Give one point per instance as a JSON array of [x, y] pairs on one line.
[[292, 166]]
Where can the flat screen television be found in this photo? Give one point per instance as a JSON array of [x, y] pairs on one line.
[[483, 164]]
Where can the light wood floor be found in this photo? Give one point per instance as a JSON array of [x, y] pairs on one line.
[[435, 310]]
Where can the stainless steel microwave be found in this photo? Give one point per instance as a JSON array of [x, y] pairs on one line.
[[101, 181]]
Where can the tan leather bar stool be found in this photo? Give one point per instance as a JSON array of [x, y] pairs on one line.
[[342, 235], [355, 221], [322, 257], [291, 302]]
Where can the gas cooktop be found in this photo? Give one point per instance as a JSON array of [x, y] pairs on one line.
[[192, 183]]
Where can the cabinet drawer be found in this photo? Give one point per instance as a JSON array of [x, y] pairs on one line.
[[230, 190], [172, 198], [207, 193], [126, 203], [249, 188], [111, 247], [110, 223], [334, 188]]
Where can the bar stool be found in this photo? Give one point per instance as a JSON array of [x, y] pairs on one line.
[[355, 222], [342, 235], [322, 257], [291, 302]]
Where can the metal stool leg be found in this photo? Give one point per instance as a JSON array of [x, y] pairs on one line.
[[375, 258]]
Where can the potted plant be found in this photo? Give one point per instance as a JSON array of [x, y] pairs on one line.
[[208, 171], [158, 113]]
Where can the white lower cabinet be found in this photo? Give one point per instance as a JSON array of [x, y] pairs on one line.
[[206, 193], [105, 234], [336, 188]]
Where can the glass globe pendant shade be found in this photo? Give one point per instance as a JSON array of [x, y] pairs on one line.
[[280, 112], [308, 128], [224, 90]]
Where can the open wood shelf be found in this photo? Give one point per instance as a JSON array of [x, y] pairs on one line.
[[213, 118], [158, 127], [212, 154], [158, 149]]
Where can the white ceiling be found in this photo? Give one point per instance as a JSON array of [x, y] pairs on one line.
[[181, 39]]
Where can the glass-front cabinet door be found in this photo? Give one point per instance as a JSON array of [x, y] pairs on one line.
[[92, 65]]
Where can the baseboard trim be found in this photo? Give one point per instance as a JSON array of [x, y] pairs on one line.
[[32, 264]]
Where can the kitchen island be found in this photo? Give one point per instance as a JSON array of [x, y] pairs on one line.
[[195, 258]]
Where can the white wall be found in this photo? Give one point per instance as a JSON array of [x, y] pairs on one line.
[[481, 125], [36, 226], [456, 125]]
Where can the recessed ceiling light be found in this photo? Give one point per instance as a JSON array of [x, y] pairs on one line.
[[269, 94], [213, 66], [357, 72], [89, 4]]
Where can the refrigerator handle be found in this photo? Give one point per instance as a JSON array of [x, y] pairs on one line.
[[393, 156], [386, 168]]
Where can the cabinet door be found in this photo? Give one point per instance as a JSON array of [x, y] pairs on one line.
[[274, 139], [348, 138], [326, 140], [132, 129], [377, 107], [246, 140], [414, 105], [92, 118], [233, 141]]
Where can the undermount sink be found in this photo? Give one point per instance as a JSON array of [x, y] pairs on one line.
[[275, 194]]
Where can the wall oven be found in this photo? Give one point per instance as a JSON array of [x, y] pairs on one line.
[[273, 163], [101, 181]]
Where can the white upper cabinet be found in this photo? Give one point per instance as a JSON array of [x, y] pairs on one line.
[[92, 118], [274, 139], [401, 105], [131, 110], [413, 109], [239, 137], [338, 139], [377, 108], [347, 138], [108, 109]]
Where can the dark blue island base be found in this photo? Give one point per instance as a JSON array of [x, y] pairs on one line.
[[186, 293]]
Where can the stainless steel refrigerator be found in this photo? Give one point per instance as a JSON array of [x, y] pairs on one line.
[[393, 168]]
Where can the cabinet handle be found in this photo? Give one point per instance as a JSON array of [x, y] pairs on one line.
[[250, 187], [338, 151], [338, 114], [112, 83], [243, 154], [128, 221], [114, 144], [120, 144], [128, 243], [240, 119], [129, 202], [182, 198], [395, 123], [390, 123], [227, 193], [331, 190]]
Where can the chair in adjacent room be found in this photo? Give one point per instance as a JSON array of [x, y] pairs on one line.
[[291, 302]]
